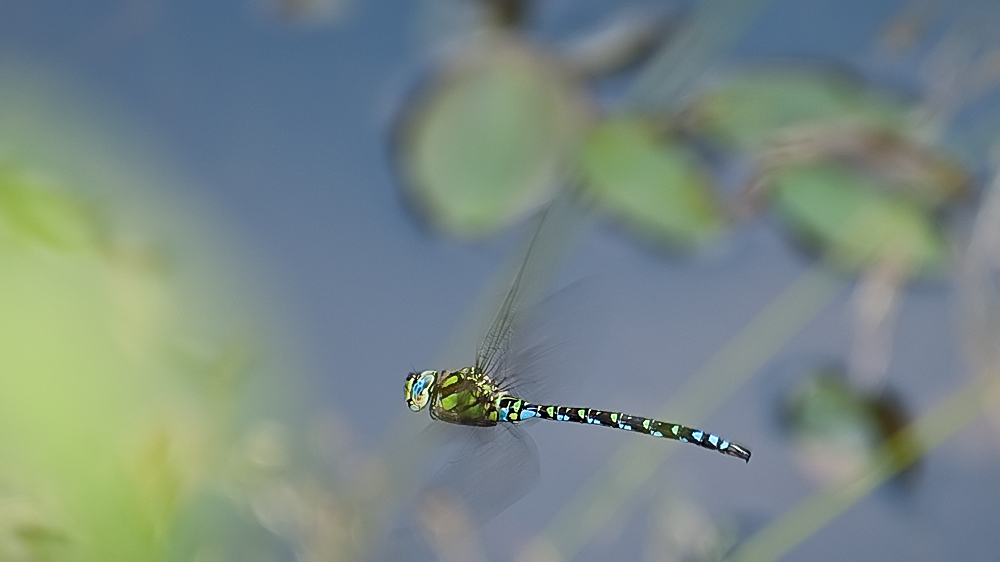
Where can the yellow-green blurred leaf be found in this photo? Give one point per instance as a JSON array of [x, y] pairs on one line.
[[108, 446], [896, 162], [746, 110], [651, 184], [35, 209], [77, 404], [853, 221], [489, 140]]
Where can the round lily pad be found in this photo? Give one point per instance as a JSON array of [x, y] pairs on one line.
[[651, 184], [853, 222], [489, 140]]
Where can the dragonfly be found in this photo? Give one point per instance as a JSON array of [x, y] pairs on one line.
[[482, 407], [486, 397]]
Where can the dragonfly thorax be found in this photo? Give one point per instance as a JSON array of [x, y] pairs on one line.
[[466, 396]]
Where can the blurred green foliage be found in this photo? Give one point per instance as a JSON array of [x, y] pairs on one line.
[[489, 141], [502, 126], [98, 441], [36, 210], [853, 223], [131, 420], [748, 109], [839, 428], [651, 183]]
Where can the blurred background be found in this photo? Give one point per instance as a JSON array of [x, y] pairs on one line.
[[229, 229]]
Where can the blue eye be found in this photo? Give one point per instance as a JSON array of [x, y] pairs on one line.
[[418, 389], [419, 386]]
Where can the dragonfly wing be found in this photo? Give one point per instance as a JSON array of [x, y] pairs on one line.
[[527, 347], [552, 346], [495, 347], [490, 469]]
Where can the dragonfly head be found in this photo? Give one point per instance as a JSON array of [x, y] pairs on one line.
[[418, 389]]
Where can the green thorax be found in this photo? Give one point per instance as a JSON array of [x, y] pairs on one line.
[[467, 397]]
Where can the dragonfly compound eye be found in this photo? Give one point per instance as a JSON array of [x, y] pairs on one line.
[[418, 389]]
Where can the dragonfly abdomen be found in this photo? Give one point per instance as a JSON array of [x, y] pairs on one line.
[[513, 410]]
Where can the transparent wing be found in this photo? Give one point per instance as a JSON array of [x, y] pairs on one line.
[[492, 468], [488, 469], [495, 348], [532, 342], [552, 346]]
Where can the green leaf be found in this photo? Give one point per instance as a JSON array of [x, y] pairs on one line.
[[854, 221], [490, 139], [838, 426], [897, 161], [653, 185], [106, 444], [823, 405], [33, 208], [749, 108]]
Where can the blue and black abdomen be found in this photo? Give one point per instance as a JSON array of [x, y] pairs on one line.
[[513, 410]]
